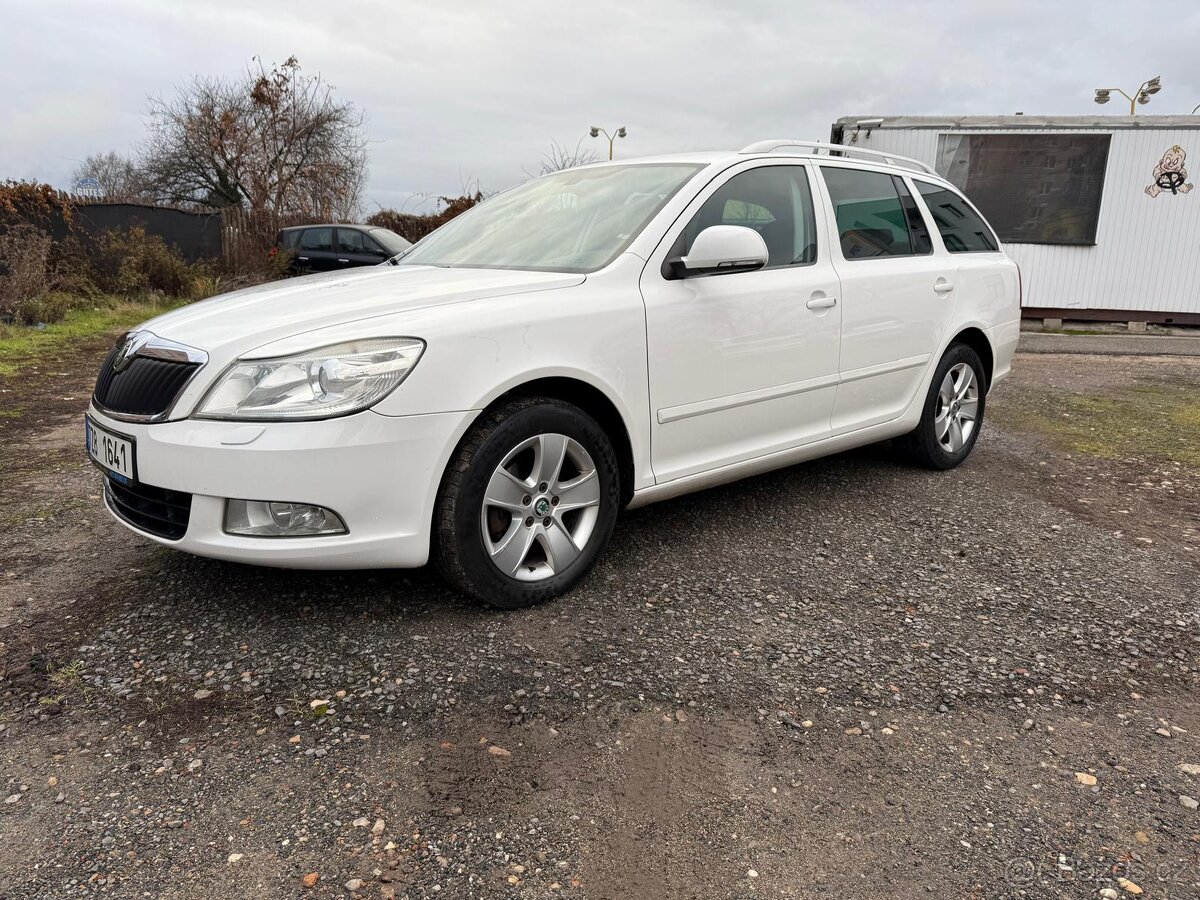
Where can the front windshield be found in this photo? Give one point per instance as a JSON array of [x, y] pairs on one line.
[[577, 220], [391, 241]]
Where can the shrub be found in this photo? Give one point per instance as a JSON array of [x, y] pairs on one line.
[[130, 261], [24, 254], [48, 308], [70, 269], [30, 203], [414, 227]]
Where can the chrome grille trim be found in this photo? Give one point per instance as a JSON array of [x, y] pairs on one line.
[[149, 346]]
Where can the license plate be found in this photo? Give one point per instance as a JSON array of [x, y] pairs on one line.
[[114, 454]]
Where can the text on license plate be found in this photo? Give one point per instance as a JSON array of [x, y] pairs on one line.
[[116, 454]]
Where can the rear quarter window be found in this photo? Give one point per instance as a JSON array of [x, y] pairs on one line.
[[962, 229]]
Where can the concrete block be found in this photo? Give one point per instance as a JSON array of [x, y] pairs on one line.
[[1138, 328], [1051, 324]]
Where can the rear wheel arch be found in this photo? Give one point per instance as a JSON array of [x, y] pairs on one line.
[[977, 340]]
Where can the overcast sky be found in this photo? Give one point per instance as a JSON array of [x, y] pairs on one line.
[[473, 91]]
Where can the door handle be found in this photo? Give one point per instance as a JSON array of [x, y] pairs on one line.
[[344, 260], [302, 258], [942, 286], [821, 302]]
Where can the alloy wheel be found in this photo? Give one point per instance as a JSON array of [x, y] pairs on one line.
[[540, 507], [957, 408]]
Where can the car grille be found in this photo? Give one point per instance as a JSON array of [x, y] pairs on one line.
[[151, 509], [147, 387]]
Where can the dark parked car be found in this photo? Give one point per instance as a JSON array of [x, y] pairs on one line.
[[324, 248]]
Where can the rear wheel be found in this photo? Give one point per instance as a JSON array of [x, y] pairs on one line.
[[953, 412], [527, 504]]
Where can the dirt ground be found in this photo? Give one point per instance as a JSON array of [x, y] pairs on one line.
[[846, 679]]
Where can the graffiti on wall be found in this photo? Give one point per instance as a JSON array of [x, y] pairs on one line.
[[1170, 174]]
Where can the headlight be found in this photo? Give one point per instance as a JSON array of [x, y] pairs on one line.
[[318, 384]]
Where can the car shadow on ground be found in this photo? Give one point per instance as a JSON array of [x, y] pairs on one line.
[[407, 595]]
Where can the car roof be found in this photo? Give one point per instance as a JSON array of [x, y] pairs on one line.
[[792, 150], [330, 225]]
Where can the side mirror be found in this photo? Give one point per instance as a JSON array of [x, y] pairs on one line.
[[720, 250]]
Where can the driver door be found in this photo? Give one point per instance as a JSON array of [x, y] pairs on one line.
[[743, 364], [357, 249]]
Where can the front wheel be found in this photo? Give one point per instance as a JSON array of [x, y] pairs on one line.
[[953, 412], [527, 504]]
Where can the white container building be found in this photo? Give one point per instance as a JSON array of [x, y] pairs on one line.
[[1098, 211]]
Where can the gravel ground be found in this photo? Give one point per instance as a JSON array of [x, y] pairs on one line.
[[846, 679]]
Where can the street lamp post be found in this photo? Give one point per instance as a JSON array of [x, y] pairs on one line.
[[619, 133], [1142, 95]]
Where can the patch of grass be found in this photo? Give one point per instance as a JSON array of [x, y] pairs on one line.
[[1074, 331], [22, 343], [68, 682], [1156, 422], [68, 674]]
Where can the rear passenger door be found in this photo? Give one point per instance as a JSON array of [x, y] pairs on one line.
[[986, 287], [897, 294], [314, 250]]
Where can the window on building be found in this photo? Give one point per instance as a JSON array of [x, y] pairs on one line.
[[962, 230], [872, 218], [1033, 188]]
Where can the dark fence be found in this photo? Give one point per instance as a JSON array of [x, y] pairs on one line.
[[248, 235], [196, 235]]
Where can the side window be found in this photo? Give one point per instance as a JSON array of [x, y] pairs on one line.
[[349, 241], [962, 229], [289, 239], [773, 200], [872, 220], [317, 239]]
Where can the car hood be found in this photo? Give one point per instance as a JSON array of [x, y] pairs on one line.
[[233, 324]]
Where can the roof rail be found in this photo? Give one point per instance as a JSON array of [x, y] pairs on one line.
[[816, 147]]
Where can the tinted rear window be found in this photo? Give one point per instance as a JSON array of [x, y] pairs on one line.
[[962, 229], [320, 239]]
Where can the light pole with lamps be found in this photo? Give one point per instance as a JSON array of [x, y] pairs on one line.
[[619, 133], [1142, 95]]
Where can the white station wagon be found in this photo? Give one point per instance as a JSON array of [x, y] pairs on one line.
[[598, 338]]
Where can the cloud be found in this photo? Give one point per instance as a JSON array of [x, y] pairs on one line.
[[475, 91]]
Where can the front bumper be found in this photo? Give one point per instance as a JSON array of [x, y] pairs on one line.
[[379, 473]]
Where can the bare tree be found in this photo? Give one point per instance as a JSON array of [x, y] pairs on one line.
[[275, 140], [560, 157], [121, 181]]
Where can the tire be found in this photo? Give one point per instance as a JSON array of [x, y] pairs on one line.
[[932, 443], [487, 519]]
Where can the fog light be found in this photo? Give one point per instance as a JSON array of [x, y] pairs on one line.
[[264, 518]]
